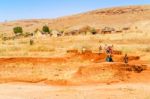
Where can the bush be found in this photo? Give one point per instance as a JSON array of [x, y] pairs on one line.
[[18, 30], [45, 29], [93, 31]]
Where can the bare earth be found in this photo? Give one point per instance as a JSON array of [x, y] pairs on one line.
[[102, 91], [56, 68], [96, 81]]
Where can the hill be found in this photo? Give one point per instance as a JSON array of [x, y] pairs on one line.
[[117, 17]]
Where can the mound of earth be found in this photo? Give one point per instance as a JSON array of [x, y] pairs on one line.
[[101, 73], [56, 71], [106, 72]]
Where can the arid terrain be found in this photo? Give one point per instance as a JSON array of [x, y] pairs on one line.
[[58, 68], [135, 17]]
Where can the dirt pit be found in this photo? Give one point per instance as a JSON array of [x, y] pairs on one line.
[[73, 69]]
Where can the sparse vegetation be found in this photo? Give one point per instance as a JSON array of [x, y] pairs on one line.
[[31, 42], [18, 30], [93, 31], [46, 30], [27, 34]]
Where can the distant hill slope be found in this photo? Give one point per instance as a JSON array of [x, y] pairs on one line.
[[138, 16]]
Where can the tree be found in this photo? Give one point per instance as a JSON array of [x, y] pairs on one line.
[[18, 30], [45, 29]]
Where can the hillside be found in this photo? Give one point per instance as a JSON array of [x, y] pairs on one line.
[[118, 17]]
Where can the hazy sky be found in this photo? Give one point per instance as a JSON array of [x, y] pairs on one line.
[[30, 9]]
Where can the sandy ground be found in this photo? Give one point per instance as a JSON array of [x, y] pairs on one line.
[[40, 78], [103, 91]]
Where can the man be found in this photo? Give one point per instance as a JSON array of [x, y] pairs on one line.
[[126, 59], [110, 49], [109, 58]]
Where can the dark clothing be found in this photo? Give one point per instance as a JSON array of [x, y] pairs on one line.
[[109, 59]]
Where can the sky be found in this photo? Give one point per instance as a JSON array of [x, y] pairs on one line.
[[41, 9]]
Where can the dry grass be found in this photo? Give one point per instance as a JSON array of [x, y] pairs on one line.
[[47, 47]]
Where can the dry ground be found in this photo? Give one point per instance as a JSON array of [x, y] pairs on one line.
[[102, 91], [45, 71], [47, 63]]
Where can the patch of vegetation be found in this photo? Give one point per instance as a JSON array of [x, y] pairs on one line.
[[27, 34], [18, 30], [93, 31], [46, 30]]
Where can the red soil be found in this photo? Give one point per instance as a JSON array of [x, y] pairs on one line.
[[97, 72], [32, 60]]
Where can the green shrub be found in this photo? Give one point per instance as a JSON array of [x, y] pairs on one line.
[[45, 29], [18, 30]]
